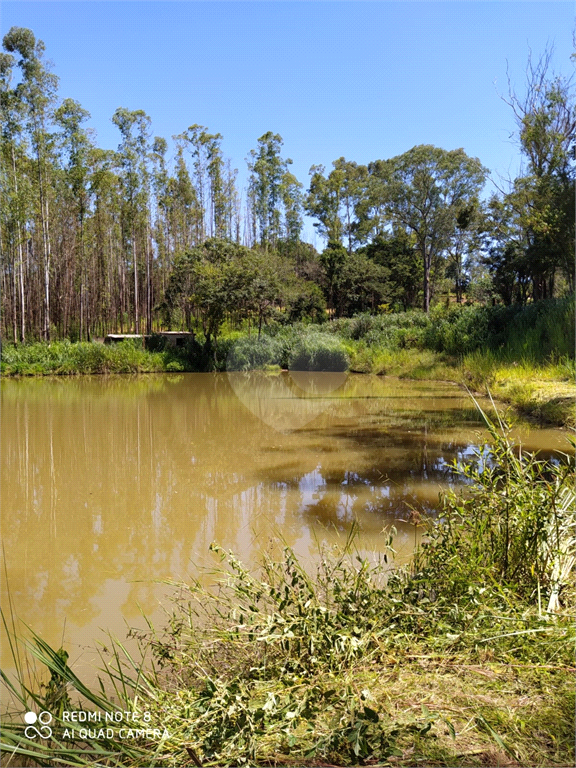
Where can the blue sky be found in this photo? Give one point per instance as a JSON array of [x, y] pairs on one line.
[[363, 80]]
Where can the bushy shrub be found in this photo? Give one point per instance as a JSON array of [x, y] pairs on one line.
[[541, 330], [514, 526], [536, 332], [391, 331], [457, 330], [252, 352], [319, 352]]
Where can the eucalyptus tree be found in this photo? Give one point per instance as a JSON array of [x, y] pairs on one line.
[[191, 139], [160, 185], [374, 220], [234, 206], [334, 199], [15, 185], [323, 203], [37, 94], [105, 224], [425, 189], [213, 182], [353, 180], [292, 200], [76, 147], [134, 154], [185, 213], [219, 202], [274, 194]]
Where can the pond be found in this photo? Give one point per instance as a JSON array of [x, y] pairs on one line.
[[112, 483]]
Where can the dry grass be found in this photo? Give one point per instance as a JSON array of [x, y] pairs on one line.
[[523, 702], [537, 396]]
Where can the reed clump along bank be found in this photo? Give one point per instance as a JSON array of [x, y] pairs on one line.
[[61, 358], [464, 658]]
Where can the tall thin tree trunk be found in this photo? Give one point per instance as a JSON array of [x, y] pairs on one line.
[[20, 256], [426, 261], [148, 283], [22, 292], [45, 218], [136, 297]]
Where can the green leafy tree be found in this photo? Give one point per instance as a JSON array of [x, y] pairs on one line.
[[506, 243], [543, 198], [427, 187], [401, 266], [305, 301], [262, 285], [465, 246], [361, 286], [333, 259], [221, 279]]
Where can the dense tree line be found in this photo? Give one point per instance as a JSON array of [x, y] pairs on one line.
[[94, 241]]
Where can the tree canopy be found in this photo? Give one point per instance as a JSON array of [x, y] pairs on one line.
[[153, 233]]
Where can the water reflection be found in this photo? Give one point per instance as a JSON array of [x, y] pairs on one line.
[[108, 484]]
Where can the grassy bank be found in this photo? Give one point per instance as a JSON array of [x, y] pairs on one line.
[[463, 659], [524, 355], [544, 392], [63, 358]]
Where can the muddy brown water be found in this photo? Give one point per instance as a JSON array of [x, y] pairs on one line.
[[112, 483]]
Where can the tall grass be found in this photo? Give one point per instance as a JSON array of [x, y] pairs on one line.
[[515, 529], [64, 358], [537, 332], [464, 658], [295, 349]]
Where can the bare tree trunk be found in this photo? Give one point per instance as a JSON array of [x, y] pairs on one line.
[[148, 283], [20, 257], [22, 294], [44, 219], [136, 297], [426, 263]]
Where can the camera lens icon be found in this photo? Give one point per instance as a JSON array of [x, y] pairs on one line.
[[43, 730]]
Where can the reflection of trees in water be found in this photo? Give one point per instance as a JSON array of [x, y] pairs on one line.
[[112, 480]]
